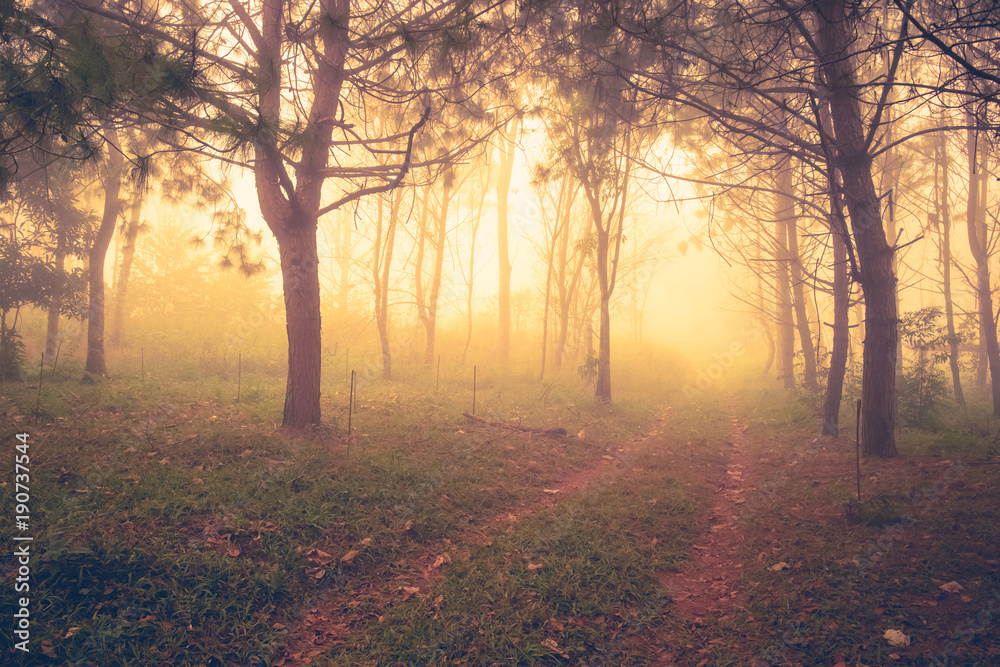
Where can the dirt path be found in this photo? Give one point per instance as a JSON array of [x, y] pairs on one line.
[[707, 586], [340, 609]]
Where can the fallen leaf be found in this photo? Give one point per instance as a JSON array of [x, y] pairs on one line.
[[71, 632], [365, 542], [779, 566], [409, 591], [408, 524], [318, 556], [535, 566], [952, 587], [551, 644], [551, 491], [896, 638], [441, 560], [349, 556]]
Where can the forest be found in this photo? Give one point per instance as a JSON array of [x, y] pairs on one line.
[[475, 332]]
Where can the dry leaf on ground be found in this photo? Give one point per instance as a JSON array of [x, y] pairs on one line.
[[896, 638]]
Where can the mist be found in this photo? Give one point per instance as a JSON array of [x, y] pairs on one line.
[[343, 333]]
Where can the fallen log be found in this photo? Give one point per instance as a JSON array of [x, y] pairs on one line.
[[534, 430]]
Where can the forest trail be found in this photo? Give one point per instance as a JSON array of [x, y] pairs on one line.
[[346, 607], [707, 586]]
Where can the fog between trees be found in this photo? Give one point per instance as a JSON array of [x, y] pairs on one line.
[[525, 184]]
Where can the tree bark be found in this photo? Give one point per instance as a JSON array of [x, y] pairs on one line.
[[128, 255], [797, 277], [291, 209], [430, 322], [875, 256], [96, 361], [381, 271], [943, 201], [300, 275], [841, 337]]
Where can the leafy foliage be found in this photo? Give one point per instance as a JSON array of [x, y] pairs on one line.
[[29, 281], [923, 385]]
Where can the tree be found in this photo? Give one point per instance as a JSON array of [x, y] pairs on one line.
[[282, 89], [752, 68], [597, 130], [553, 250], [942, 219], [96, 364], [29, 281], [852, 153], [382, 251], [506, 146]]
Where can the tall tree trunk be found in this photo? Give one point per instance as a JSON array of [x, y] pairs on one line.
[[607, 266], [799, 304], [784, 214], [545, 317], [556, 263], [430, 322], [507, 147], [291, 208], [568, 281], [300, 274], [975, 220], [943, 201], [381, 272], [128, 255], [55, 308], [418, 262], [602, 386], [96, 361], [841, 336], [875, 255]]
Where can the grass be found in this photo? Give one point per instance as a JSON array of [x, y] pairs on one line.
[[173, 525], [924, 522]]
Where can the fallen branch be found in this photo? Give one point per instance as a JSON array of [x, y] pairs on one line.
[[550, 432], [181, 442]]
